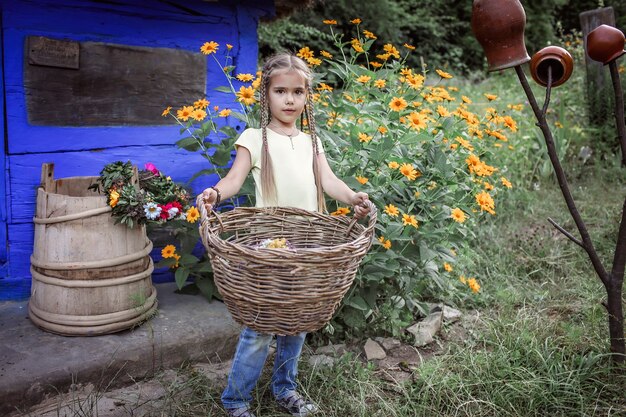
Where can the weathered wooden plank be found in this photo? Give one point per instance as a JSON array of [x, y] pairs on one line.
[[25, 170], [114, 85], [599, 88], [83, 26]]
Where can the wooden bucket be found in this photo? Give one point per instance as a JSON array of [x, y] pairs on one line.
[[89, 275]]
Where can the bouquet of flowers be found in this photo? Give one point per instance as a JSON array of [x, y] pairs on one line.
[[152, 197]]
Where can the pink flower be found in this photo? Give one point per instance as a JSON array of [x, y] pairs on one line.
[[150, 167]]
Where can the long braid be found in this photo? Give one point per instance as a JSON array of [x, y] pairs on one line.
[[268, 184], [321, 201]]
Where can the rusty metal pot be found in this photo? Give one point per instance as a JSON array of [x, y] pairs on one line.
[[555, 58], [605, 44], [499, 28]]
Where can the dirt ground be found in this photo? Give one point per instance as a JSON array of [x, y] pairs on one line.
[[147, 397]]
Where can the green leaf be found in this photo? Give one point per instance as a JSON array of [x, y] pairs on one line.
[[358, 302], [221, 157], [189, 144], [181, 276], [223, 89]]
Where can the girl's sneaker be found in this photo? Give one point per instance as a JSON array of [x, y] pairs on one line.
[[297, 406], [240, 412]]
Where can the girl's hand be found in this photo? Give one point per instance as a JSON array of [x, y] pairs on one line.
[[209, 196], [360, 210]]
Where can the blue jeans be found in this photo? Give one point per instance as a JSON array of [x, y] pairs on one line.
[[252, 351]]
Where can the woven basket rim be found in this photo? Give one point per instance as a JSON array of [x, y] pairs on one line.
[[342, 221]]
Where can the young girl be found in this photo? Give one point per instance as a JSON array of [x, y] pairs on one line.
[[289, 169]]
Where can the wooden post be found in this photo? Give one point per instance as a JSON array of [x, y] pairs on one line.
[[599, 88]]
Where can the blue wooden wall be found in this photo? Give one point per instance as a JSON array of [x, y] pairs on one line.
[[83, 151]]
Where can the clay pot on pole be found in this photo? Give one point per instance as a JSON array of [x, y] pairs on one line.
[[499, 28]]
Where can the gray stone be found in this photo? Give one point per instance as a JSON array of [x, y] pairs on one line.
[[321, 361], [388, 343], [373, 351], [450, 315], [424, 331]]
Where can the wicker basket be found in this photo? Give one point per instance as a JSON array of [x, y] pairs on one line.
[[283, 291]]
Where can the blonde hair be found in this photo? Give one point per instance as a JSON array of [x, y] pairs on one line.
[[286, 62]]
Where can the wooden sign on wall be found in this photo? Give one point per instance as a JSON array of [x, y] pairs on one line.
[[96, 84]]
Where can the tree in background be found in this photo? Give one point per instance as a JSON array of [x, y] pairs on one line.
[[439, 29]]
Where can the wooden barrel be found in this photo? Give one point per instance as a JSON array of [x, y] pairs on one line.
[[90, 276]]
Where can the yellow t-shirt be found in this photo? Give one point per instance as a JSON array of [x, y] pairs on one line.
[[293, 167]]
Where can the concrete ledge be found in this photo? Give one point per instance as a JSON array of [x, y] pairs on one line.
[[35, 364]]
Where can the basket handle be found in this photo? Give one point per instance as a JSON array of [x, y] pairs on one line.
[[373, 214], [201, 204]]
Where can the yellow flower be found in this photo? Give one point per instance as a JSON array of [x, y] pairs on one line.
[[408, 171], [203, 103], [362, 180], [114, 198], [491, 97], [415, 81], [443, 74], [168, 251], [464, 143], [245, 77], [357, 45], [488, 186], [324, 87], [341, 211], [198, 114], [409, 220], [246, 95], [443, 112], [369, 34], [466, 99], [177, 257], [447, 267], [229, 46], [329, 22], [558, 124], [391, 50], [517, 107], [392, 210], [326, 54], [209, 48], [416, 194], [256, 83], [457, 215], [485, 201], [355, 21], [510, 123], [382, 130], [185, 113], [410, 47], [385, 242], [474, 285], [225, 113], [192, 214], [417, 121], [216, 108], [380, 83], [398, 104], [393, 165], [463, 279], [496, 134], [305, 53], [363, 79], [506, 182], [363, 137], [166, 111]]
